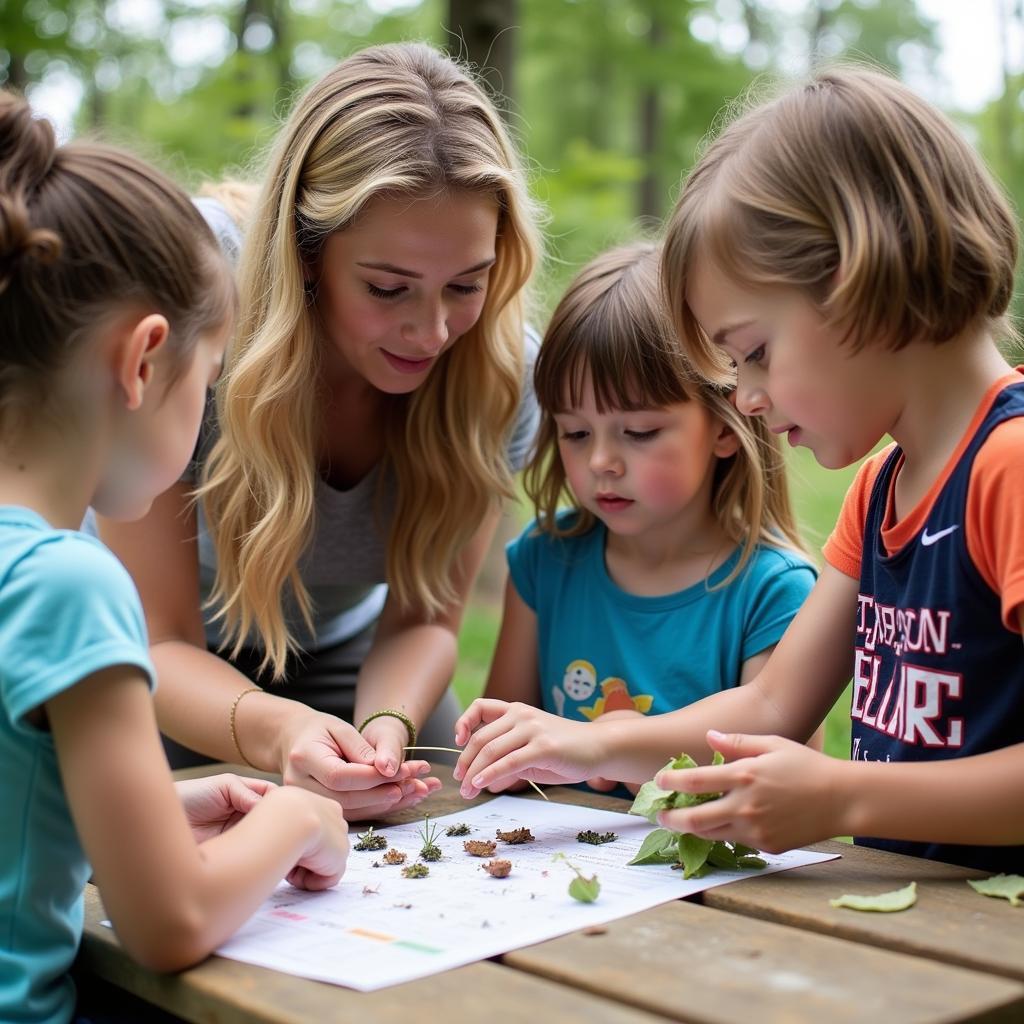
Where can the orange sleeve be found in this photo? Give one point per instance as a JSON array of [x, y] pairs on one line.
[[845, 544], [995, 517]]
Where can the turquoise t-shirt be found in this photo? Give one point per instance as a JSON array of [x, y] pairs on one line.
[[603, 649], [68, 608]]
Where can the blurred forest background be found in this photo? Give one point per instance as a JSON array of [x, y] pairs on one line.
[[608, 98]]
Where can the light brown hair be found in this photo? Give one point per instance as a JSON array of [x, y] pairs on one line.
[[86, 228], [860, 193], [612, 329]]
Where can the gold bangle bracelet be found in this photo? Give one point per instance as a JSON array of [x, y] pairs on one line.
[[231, 723], [393, 713]]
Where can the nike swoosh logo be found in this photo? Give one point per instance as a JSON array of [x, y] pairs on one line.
[[927, 539]]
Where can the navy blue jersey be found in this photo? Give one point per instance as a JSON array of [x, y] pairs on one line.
[[937, 673]]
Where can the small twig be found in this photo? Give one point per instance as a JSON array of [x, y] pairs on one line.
[[454, 750]]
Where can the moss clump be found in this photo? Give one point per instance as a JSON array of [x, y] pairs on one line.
[[370, 841]]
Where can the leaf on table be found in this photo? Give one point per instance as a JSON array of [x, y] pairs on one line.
[[693, 852], [1004, 887], [585, 890], [658, 848], [883, 903]]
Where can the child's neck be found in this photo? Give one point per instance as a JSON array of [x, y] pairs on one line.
[[943, 386], [51, 481], [668, 559]]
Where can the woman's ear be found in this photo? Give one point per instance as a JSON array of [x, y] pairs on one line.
[[136, 347], [726, 442]]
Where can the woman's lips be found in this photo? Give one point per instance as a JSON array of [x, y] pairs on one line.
[[403, 365]]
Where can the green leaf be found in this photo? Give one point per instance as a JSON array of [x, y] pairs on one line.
[[1004, 887], [748, 860], [693, 852], [584, 889], [744, 851], [658, 848], [720, 856], [885, 903], [650, 799]]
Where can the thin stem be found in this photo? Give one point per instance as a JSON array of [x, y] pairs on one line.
[[454, 750]]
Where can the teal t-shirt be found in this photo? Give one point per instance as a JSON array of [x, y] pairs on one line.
[[602, 649], [68, 608]]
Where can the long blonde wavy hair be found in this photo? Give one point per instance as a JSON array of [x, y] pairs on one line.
[[394, 120], [612, 329]]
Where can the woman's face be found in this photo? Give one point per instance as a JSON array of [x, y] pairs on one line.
[[403, 284]]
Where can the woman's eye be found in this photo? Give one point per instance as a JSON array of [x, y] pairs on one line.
[[642, 435], [755, 355], [466, 289], [384, 293]]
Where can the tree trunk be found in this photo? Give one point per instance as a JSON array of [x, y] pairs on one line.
[[486, 36], [649, 198]]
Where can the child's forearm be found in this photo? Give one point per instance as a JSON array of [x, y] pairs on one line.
[[974, 800], [633, 749], [233, 874]]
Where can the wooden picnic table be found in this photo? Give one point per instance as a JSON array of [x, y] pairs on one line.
[[767, 949]]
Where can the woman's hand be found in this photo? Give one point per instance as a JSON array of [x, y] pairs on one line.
[[212, 805], [328, 756], [505, 742]]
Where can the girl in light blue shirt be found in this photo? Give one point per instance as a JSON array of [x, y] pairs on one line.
[[664, 563]]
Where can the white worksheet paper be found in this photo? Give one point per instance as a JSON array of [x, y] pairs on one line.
[[378, 928]]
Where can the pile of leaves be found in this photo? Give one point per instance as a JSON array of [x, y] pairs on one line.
[[697, 857]]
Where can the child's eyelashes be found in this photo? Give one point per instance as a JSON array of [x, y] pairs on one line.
[[632, 435], [755, 355]]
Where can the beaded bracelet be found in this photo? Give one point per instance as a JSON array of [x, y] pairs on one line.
[[393, 713], [231, 723]]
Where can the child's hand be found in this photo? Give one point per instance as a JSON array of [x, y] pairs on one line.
[[212, 805], [505, 742], [323, 862], [777, 794], [330, 757]]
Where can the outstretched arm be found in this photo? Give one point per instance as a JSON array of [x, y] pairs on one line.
[[789, 697], [779, 795]]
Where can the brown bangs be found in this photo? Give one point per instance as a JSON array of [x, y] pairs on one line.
[[610, 331]]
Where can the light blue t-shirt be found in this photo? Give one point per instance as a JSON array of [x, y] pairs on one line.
[[67, 609], [604, 649]]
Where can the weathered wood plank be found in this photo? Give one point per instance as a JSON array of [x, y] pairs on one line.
[[950, 921], [704, 966], [221, 991]]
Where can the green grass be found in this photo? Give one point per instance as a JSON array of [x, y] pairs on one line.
[[817, 495]]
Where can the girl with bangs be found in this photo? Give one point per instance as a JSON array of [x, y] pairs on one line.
[[367, 427], [676, 566]]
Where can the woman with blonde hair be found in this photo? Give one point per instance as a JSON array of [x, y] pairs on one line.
[[370, 416]]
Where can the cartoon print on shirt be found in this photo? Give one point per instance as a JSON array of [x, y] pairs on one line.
[[579, 682], [616, 697]]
